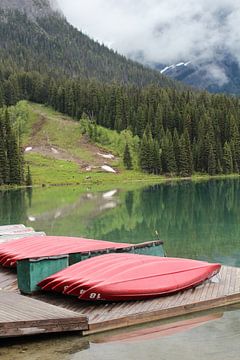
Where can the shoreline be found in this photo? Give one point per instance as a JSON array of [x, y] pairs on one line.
[[105, 180]]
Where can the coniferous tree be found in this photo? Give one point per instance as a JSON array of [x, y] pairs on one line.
[[4, 165], [227, 159], [127, 159], [11, 161], [168, 156], [158, 130], [157, 164], [189, 151], [185, 156], [183, 159], [145, 154], [235, 144], [28, 177], [140, 122], [1, 97], [176, 147], [212, 166], [2, 162]]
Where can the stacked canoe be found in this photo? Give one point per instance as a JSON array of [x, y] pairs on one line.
[[46, 246], [121, 277]]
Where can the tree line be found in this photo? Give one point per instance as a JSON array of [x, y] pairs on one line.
[[11, 158], [180, 132]]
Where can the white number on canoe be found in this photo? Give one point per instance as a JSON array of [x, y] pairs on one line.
[[95, 296]]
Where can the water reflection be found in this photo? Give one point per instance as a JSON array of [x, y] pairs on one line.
[[13, 207], [197, 220], [215, 340], [156, 331]]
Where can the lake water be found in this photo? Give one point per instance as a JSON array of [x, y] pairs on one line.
[[195, 220]]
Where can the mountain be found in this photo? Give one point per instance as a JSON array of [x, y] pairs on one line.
[[39, 38], [219, 75], [33, 8], [45, 60]]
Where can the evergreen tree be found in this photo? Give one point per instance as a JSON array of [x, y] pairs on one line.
[[212, 166], [127, 159], [227, 159], [2, 162], [176, 147], [157, 165], [235, 144], [28, 177], [145, 154], [1, 97], [168, 156], [13, 155], [140, 122], [4, 165], [185, 157]]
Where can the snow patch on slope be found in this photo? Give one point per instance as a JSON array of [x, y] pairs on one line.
[[174, 66]]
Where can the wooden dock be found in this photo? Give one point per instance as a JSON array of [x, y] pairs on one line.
[[21, 315], [108, 316], [111, 316]]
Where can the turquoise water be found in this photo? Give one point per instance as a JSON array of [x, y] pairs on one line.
[[195, 220]]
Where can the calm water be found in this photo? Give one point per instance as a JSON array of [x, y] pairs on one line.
[[200, 221]]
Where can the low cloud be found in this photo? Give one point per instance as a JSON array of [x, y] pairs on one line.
[[161, 31]]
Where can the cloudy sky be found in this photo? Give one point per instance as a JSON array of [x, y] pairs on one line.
[[162, 31]]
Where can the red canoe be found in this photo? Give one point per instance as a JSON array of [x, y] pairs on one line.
[[120, 277], [41, 246]]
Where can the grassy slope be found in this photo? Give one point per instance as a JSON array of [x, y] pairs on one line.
[[47, 129]]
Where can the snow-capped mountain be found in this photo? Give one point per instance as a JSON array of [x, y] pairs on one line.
[[218, 75]]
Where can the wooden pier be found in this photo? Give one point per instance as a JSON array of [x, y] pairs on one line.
[[107, 316], [21, 315]]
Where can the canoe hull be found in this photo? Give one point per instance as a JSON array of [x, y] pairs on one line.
[[46, 246], [124, 277]]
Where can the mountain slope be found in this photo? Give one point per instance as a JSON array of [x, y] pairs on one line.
[[40, 39], [33, 8]]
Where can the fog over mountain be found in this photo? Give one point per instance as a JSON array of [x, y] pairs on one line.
[[164, 32], [203, 37], [33, 8], [161, 31]]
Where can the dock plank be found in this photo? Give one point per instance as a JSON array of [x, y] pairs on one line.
[[11, 227], [12, 237], [21, 315], [15, 231]]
